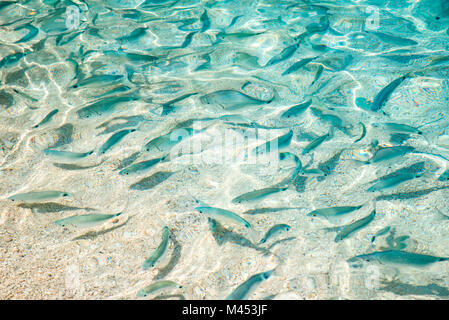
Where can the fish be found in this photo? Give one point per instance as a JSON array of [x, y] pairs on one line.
[[381, 232], [406, 58], [47, 118], [32, 32], [67, 155], [274, 230], [289, 155], [397, 127], [166, 142], [384, 94], [118, 89], [232, 99], [316, 172], [388, 153], [127, 121], [269, 210], [315, 143], [100, 80], [64, 39], [77, 73], [398, 257], [296, 110], [244, 290], [103, 107], [156, 286], [39, 196], [235, 118], [185, 23], [206, 64], [392, 181], [333, 211], [285, 54], [136, 34], [278, 143], [114, 139], [363, 103], [133, 56], [399, 138], [258, 194], [332, 119], [349, 229], [394, 40], [12, 59], [128, 160], [444, 176], [187, 39], [237, 37], [317, 75], [137, 15], [205, 21], [234, 20], [225, 214], [159, 251], [297, 65], [363, 133], [167, 107], [86, 220], [141, 166], [299, 167]]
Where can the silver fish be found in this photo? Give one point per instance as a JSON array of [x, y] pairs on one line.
[[232, 99], [159, 251], [86, 220], [224, 213], [333, 211], [399, 257], [274, 230], [244, 290], [156, 286], [39, 196]]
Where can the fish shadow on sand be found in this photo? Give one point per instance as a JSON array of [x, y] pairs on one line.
[[403, 289], [409, 195], [223, 235], [269, 210], [168, 296], [151, 181], [49, 207], [280, 241]]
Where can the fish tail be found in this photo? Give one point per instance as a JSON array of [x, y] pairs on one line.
[[275, 96]]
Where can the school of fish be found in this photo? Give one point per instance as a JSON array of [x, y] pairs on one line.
[[180, 149]]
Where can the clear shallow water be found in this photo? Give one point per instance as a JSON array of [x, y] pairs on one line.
[[95, 68]]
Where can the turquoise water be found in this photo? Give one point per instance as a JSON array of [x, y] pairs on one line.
[[205, 124]]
